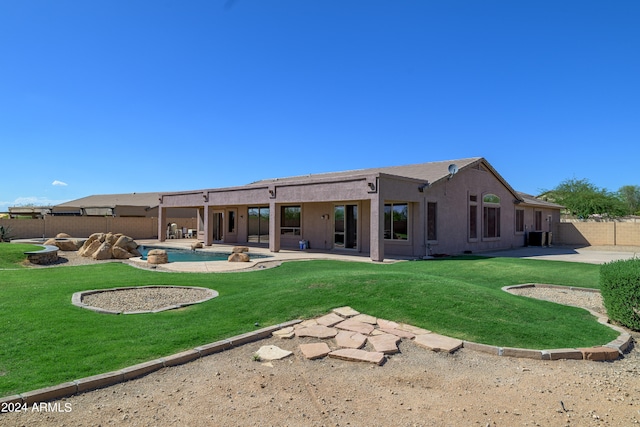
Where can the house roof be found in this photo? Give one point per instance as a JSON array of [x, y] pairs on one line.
[[431, 171], [534, 201], [113, 200]]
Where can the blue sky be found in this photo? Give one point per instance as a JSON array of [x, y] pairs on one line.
[[124, 96]]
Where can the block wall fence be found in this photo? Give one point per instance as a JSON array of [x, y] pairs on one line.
[[79, 226], [564, 233], [597, 233]]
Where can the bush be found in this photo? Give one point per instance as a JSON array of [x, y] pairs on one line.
[[5, 233], [620, 287]]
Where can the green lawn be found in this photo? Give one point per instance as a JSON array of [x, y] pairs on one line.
[[45, 340]]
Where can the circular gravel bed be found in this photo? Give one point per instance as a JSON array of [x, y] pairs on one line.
[[578, 297], [143, 299]]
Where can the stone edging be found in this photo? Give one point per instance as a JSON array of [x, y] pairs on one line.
[[111, 378], [76, 299], [606, 352]]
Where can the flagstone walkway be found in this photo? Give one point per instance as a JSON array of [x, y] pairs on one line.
[[349, 335]]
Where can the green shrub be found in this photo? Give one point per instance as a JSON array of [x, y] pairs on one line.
[[5, 233], [620, 287]]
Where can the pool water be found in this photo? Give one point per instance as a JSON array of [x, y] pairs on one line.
[[185, 255]]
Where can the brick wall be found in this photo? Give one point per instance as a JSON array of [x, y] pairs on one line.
[[80, 226]]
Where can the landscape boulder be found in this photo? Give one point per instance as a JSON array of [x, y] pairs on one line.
[[65, 243], [101, 246], [157, 256], [238, 257]]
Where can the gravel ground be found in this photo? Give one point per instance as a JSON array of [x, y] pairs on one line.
[[586, 299], [413, 388], [145, 299]]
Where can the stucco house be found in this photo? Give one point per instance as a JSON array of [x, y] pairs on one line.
[[444, 207]]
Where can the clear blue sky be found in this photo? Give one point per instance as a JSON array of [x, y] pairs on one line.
[[118, 96]]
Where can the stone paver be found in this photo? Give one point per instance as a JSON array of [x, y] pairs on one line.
[[346, 311], [365, 318], [285, 333], [355, 326], [387, 324], [316, 331], [398, 332], [413, 329], [385, 343], [355, 355], [329, 319], [350, 339], [438, 342], [272, 352], [315, 350]]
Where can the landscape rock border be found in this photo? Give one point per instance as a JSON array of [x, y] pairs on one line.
[[620, 345], [77, 299]]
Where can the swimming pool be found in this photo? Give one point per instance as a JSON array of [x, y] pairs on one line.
[[185, 255]]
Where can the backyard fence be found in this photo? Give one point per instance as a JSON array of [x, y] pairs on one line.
[[597, 233], [83, 226]]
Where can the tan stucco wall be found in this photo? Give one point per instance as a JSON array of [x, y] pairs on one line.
[[452, 198]]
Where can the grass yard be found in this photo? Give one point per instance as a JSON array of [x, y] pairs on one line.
[[46, 340]]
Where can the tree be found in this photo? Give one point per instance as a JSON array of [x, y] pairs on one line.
[[629, 195], [583, 199]]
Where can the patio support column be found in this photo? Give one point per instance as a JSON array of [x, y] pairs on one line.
[[422, 227], [274, 227], [377, 228], [162, 228], [208, 240]]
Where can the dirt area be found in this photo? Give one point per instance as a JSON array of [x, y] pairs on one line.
[[415, 387]]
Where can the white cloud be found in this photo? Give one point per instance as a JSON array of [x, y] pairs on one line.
[[56, 182]]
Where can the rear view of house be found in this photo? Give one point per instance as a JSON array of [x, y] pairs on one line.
[[416, 210]]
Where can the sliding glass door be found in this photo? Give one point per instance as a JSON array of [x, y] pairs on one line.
[[258, 225]]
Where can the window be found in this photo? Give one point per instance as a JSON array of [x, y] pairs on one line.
[[232, 222], [538, 221], [491, 216], [396, 216], [290, 220], [519, 220], [258, 225], [432, 209], [473, 217]]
